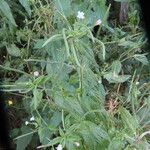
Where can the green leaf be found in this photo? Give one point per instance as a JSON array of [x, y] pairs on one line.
[[127, 44], [64, 6], [53, 38], [44, 135], [142, 58], [23, 142], [144, 115], [71, 105], [51, 143], [98, 132], [41, 79], [5, 9], [115, 144], [88, 139], [129, 121], [56, 119], [26, 5], [98, 11], [101, 10], [13, 50], [38, 44], [116, 67], [91, 85], [93, 134], [14, 132], [114, 78], [37, 97]]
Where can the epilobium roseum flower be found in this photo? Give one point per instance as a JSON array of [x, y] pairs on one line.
[[137, 83], [32, 118], [59, 147], [98, 22], [99, 81], [10, 102], [26, 123], [80, 15], [77, 144], [36, 73]]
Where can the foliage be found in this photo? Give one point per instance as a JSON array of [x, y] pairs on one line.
[[85, 92]]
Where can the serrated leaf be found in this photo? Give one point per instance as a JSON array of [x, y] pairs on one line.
[[41, 79], [73, 106], [100, 9], [129, 121], [23, 142], [98, 132], [144, 114], [56, 119], [115, 144], [116, 67], [26, 5], [38, 44], [64, 6], [99, 12], [91, 85], [51, 143], [5, 9], [123, 42], [37, 97], [13, 50], [142, 58], [102, 92], [52, 38], [114, 78], [93, 134], [44, 135], [14, 132], [88, 139]]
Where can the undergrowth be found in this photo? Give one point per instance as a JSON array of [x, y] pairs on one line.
[[69, 87]]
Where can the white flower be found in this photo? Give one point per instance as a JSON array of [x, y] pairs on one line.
[[59, 147], [98, 22], [26, 123], [32, 118], [36, 73], [77, 144], [137, 83], [99, 81], [80, 15]]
